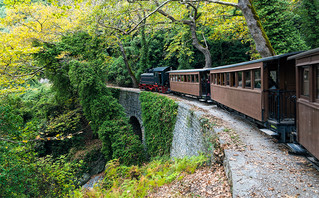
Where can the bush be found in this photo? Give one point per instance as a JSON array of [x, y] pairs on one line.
[[159, 117]]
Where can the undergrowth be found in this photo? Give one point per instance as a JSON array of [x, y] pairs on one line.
[[159, 117], [135, 181]]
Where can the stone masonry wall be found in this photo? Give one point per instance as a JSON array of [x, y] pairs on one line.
[[132, 105], [188, 137]]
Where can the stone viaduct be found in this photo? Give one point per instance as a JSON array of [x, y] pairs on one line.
[[188, 137]]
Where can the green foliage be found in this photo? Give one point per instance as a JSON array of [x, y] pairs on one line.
[[117, 74], [309, 12], [62, 128], [280, 24], [115, 92], [77, 63], [159, 117], [22, 172], [133, 181], [10, 123], [226, 52]]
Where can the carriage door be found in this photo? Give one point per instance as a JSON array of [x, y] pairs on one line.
[[205, 83], [160, 78], [281, 97]]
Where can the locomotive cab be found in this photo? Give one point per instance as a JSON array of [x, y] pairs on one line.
[[155, 80]]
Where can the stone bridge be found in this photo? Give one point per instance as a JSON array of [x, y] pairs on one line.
[[129, 99], [188, 137]]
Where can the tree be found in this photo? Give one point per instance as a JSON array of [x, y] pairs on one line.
[[262, 42], [191, 22], [111, 19], [309, 12], [280, 24], [24, 24]]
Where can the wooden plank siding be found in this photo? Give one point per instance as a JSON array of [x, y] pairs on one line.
[[308, 105], [191, 88], [249, 101]]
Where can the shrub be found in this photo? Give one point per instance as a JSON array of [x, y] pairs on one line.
[[159, 117]]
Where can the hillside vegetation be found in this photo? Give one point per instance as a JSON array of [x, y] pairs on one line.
[[58, 121]]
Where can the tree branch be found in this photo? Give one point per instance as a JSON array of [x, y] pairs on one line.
[[215, 1], [147, 16], [17, 76], [205, 40], [43, 139]]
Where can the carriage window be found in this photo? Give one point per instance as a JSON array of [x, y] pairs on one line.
[[193, 78], [196, 77], [240, 79], [232, 79], [305, 81], [247, 79], [227, 79], [317, 81], [257, 76], [222, 79]]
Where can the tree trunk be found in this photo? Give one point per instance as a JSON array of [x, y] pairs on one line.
[[197, 45], [257, 32], [127, 65]]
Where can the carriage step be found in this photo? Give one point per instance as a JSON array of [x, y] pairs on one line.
[[296, 149], [269, 132], [209, 101]]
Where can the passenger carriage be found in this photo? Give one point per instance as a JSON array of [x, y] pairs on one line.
[[263, 90], [307, 70], [194, 82]]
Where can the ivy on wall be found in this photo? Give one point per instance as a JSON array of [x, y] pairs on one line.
[[159, 117]]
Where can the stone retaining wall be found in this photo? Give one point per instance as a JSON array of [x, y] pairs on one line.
[[189, 135]]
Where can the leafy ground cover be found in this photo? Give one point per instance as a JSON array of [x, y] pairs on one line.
[[142, 181]]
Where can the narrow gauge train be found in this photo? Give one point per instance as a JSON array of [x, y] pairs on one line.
[[264, 91]]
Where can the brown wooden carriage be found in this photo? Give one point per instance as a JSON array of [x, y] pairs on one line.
[[307, 78], [262, 89], [193, 82]]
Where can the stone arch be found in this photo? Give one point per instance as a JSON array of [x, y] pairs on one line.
[[137, 128]]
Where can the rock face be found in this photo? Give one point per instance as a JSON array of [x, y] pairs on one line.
[[95, 168], [98, 165], [188, 136]]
